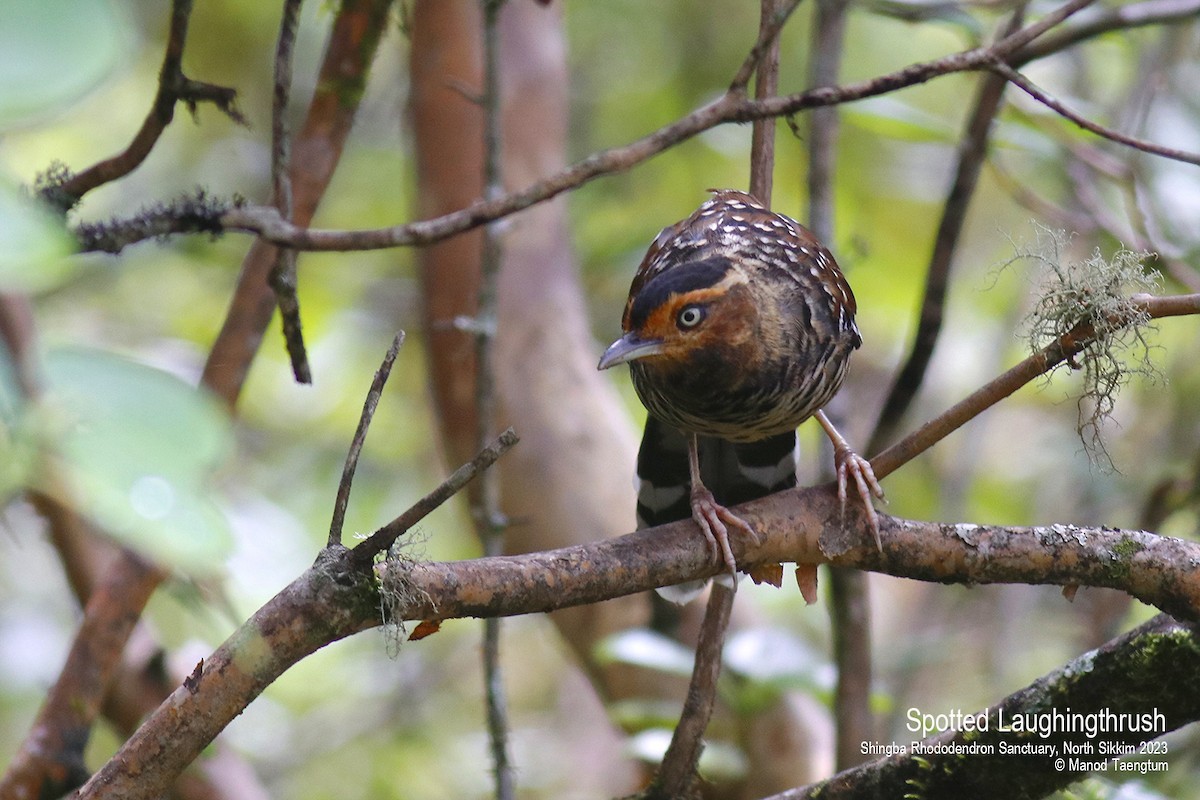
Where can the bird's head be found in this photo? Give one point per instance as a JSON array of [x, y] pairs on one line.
[[685, 309]]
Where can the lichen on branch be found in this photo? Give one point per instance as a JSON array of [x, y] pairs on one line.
[[1100, 294], [194, 212]]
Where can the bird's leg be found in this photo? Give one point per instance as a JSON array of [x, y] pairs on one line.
[[850, 463], [711, 516]]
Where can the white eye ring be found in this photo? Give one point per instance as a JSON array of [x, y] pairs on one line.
[[690, 316]]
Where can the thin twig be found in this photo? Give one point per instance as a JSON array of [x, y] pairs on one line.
[[972, 153], [678, 769], [382, 539], [1027, 86], [489, 521], [283, 274], [360, 438], [173, 87]]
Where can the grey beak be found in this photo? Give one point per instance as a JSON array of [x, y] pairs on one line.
[[628, 348]]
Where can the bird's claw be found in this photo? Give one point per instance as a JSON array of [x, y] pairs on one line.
[[712, 517], [850, 463]]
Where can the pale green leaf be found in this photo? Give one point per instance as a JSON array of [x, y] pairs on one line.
[[34, 247], [52, 52], [138, 447]]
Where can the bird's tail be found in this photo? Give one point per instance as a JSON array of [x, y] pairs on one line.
[[733, 472]]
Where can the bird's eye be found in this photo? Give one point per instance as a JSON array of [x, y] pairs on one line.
[[690, 316]]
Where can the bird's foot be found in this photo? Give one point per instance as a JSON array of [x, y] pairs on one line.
[[851, 465], [712, 517]]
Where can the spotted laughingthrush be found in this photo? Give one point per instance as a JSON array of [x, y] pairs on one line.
[[738, 327]]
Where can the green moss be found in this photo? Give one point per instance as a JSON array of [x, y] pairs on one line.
[[1123, 552]]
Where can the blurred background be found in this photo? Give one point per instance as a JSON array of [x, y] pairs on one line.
[[371, 717]]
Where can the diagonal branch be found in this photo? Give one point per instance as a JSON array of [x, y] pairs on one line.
[[678, 770], [381, 540], [50, 761], [1013, 379], [767, 43], [267, 223], [1030, 88], [1107, 20], [1018, 48]]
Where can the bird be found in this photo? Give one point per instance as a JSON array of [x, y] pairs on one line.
[[738, 327]]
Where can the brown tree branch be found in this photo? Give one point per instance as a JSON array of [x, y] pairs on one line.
[[766, 84], [1154, 569], [1107, 20], [265, 222], [825, 63], [1018, 48], [335, 598], [768, 41], [677, 773], [324, 604]]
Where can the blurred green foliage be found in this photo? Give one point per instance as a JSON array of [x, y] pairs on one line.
[[351, 722]]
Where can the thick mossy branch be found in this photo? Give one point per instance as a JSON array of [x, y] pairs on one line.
[[198, 212], [1098, 292], [1019, 747]]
